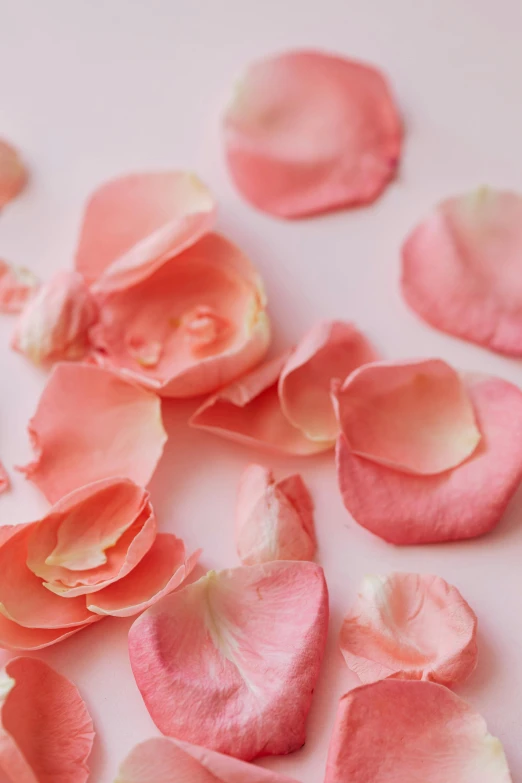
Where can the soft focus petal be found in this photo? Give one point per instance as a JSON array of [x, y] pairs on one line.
[[4, 479], [402, 731], [135, 223], [231, 661], [274, 519], [17, 284], [13, 175], [331, 350], [415, 416], [410, 626], [124, 436], [462, 269], [308, 132], [463, 503]]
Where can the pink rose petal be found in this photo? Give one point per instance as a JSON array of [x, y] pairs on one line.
[[124, 436], [17, 284], [465, 502], [274, 519], [13, 175], [414, 416], [4, 479], [308, 132], [231, 661], [399, 731], [410, 626], [135, 223]]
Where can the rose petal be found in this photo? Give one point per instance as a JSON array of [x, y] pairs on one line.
[[124, 436], [15, 637], [461, 269], [309, 132], [4, 479], [135, 223], [13, 175], [330, 350], [164, 760], [399, 730], [463, 503], [274, 519], [46, 731], [410, 626], [231, 661], [17, 284], [415, 416]]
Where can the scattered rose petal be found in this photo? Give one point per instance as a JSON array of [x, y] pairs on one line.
[[13, 175], [462, 269], [274, 519], [46, 732], [230, 662], [399, 730], [410, 626], [135, 223], [465, 502], [4, 479], [17, 284], [308, 132], [124, 436]]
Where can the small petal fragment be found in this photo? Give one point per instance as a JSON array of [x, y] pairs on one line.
[[13, 175], [398, 730], [410, 626], [309, 132], [231, 661], [4, 479], [17, 285]]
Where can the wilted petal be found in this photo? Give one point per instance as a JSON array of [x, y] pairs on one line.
[[13, 175], [17, 284], [231, 661]]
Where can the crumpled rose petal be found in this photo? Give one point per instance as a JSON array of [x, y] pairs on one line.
[[124, 436], [163, 760], [308, 132], [17, 284], [400, 730], [55, 322], [13, 175], [414, 416], [410, 626], [274, 519], [465, 502], [461, 269], [135, 223], [46, 732], [231, 661]]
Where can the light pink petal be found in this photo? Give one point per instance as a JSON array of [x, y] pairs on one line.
[[274, 519], [410, 626], [463, 503], [46, 732], [399, 731], [331, 350], [414, 416], [249, 411], [13, 175], [162, 570], [231, 661], [462, 269], [307, 132], [17, 284], [135, 223], [4, 479], [16, 637], [124, 436]]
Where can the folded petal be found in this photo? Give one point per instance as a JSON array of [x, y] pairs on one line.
[[414, 416], [462, 269], [230, 662], [397, 730], [134, 223], [331, 350], [17, 284], [307, 132], [13, 175], [274, 519], [410, 626], [46, 732], [124, 436], [16, 637], [465, 502]]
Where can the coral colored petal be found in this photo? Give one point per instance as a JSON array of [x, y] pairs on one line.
[[462, 269], [274, 519], [463, 503], [15, 637], [410, 626], [397, 730], [4, 479], [415, 416], [231, 661], [46, 733], [308, 132], [125, 436], [17, 284], [13, 175], [331, 350], [134, 223]]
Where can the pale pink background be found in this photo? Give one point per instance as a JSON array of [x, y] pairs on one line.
[[93, 89]]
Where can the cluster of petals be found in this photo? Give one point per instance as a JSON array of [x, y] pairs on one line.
[[13, 174]]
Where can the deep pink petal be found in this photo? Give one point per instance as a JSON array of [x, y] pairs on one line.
[[13, 175], [17, 284]]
